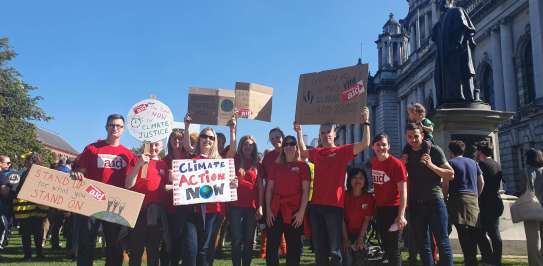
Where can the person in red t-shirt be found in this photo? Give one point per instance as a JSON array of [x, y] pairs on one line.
[[152, 219], [390, 188], [275, 137], [106, 161], [176, 151], [202, 220], [326, 208], [287, 193], [242, 214], [359, 209]]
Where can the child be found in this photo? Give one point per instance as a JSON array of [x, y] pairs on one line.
[[417, 115], [359, 209]]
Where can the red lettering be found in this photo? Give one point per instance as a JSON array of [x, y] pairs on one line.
[[220, 176]]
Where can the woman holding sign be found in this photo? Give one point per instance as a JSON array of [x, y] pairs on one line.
[[242, 214], [152, 223], [202, 220], [287, 193]]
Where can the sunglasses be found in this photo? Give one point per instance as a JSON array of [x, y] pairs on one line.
[[290, 143], [203, 136], [115, 126]]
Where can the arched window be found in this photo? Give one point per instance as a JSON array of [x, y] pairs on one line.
[[525, 69], [485, 83]]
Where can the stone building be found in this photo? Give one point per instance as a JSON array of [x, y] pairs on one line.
[[509, 65], [56, 144]]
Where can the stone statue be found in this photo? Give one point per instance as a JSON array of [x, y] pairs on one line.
[[454, 71]]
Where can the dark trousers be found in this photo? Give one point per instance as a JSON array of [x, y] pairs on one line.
[[199, 239], [242, 232], [29, 227], [468, 237], [326, 229], [144, 236], [174, 255], [391, 240], [293, 237], [431, 215], [491, 249], [87, 231], [56, 219]]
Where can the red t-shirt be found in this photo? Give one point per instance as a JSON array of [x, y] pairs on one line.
[[330, 166], [153, 185], [268, 162], [105, 163], [386, 176], [287, 189], [356, 210], [247, 184]]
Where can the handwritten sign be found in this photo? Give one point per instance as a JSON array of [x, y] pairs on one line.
[[253, 101], [150, 120], [86, 197], [211, 106], [332, 96], [201, 181]]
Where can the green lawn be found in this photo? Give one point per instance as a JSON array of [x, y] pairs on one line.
[[13, 255]]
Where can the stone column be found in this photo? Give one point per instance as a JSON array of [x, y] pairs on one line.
[[412, 39], [506, 41], [497, 78], [420, 98], [403, 118], [390, 52], [357, 138], [418, 28], [536, 28], [386, 54]]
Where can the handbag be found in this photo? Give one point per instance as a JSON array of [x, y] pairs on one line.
[[527, 207]]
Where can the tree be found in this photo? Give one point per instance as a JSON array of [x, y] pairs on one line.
[[18, 108]]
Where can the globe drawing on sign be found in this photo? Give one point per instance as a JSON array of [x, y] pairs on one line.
[[206, 192], [111, 217], [227, 105]]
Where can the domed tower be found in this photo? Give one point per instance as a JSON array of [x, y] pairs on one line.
[[392, 45]]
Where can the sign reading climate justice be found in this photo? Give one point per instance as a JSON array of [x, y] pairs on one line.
[[86, 197], [201, 181], [150, 120]]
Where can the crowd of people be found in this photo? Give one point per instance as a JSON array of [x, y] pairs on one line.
[[294, 192]]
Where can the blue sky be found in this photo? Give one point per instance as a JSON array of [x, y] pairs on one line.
[[93, 58]]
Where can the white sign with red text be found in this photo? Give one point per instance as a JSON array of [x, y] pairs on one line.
[[150, 120]]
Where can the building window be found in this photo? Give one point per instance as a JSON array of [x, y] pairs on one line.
[[525, 70], [395, 54]]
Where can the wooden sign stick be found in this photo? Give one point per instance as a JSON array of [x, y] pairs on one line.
[[146, 150]]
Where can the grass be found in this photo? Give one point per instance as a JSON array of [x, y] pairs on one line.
[[13, 255]]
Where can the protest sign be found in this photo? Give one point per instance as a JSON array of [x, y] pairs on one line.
[[86, 197], [332, 96], [253, 101], [150, 120], [201, 181], [211, 106]]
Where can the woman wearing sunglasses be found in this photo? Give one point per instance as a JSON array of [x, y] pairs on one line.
[[202, 220], [287, 194]]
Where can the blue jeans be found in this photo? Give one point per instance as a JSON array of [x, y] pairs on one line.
[[326, 229], [242, 231], [199, 240], [87, 231], [431, 214]]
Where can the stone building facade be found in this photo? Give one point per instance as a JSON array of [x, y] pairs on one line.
[[509, 65]]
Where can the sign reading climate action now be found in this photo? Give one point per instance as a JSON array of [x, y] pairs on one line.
[[201, 181]]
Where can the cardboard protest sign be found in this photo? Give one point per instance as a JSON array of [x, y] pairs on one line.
[[253, 101], [332, 96], [150, 120], [211, 106], [201, 181], [86, 197]]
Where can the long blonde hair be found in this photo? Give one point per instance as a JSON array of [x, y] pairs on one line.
[[254, 153], [214, 151]]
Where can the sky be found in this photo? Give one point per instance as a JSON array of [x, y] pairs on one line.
[[89, 59]]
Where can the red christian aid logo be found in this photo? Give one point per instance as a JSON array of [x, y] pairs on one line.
[[96, 192]]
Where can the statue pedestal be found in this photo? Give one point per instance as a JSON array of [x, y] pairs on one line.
[[471, 125]]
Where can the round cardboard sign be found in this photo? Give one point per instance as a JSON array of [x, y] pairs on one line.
[[150, 120]]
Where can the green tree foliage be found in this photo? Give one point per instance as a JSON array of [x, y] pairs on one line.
[[18, 108]]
